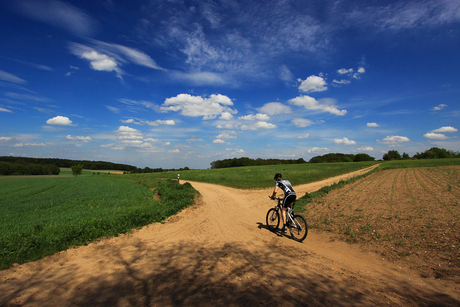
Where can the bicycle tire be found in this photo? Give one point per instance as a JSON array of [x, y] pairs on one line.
[[298, 231], [273, 219]]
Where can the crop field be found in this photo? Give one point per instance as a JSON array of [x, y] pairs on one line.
[[406, 214], [40, 216]]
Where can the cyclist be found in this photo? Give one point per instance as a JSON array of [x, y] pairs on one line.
[[289, 195]]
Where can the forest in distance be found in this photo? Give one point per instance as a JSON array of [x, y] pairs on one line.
[[51, 166], [432, 153]]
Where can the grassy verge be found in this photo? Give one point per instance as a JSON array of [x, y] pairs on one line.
[[42, 216]]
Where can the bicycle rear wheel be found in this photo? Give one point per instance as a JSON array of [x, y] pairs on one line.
[[298, 228], [273, 219]]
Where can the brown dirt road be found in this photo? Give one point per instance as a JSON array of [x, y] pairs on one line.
[[219, 253]]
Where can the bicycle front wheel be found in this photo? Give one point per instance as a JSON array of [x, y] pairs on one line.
[[273, 219], [298, 228]]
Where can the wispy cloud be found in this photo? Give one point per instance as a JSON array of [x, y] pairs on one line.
[[439, 107], [111, 57], [58, 14], [406, 15], [11, 78]]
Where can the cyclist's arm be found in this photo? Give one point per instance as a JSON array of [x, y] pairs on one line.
[[274, 191]]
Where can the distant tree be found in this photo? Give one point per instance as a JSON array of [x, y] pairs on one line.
[[405, 156], [436, 153], [6, 168], [392, 155], [363, 157], [76, 169]]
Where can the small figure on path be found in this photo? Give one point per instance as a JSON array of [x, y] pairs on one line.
[[289, 195]]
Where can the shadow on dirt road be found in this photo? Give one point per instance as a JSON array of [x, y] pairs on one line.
[[186, 274]]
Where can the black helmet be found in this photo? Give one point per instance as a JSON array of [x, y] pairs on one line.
[[277, 175]]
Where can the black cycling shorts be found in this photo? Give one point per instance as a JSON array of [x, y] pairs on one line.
[[287, 201]]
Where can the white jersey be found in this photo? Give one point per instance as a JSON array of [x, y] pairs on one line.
[[286, 186]]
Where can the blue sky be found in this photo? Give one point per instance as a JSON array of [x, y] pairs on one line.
[[183, 83]]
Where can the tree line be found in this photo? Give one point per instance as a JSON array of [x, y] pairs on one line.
[[92, 165], [245, 161], [432, 153], [20, 167]]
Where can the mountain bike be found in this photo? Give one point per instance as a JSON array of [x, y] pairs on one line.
[[296, 223]]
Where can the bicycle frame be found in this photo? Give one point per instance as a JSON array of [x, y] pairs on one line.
[[289, 212]]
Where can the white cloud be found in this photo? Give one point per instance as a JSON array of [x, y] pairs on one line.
[[258, 125], [128, 133], [343, 71], [344, 141], [361, 70], [318, 150], [101, 62], [343, 81], [311, 103], [366, 148], [439, 107], [59, 121], [4, 76], [158, 122], [226, 116], [167, 144], [227, 135], [394, 140], [110, 57], [5, 110], [29, 144], [273, 108], [435, 136], [445, 129], [302, 122], [194, 106], [258, 116], [312, 84], [219, 141], [5, 138], [79, 138], [373, 125], [305, 136]]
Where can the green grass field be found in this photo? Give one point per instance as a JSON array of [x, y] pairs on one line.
[[260, 177], [40, 216]]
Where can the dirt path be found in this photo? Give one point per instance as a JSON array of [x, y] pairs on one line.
[[219, 253]]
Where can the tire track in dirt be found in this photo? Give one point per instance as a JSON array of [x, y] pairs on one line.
[[219, 253]]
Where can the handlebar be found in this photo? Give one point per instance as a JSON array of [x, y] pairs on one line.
[[275, 198]]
